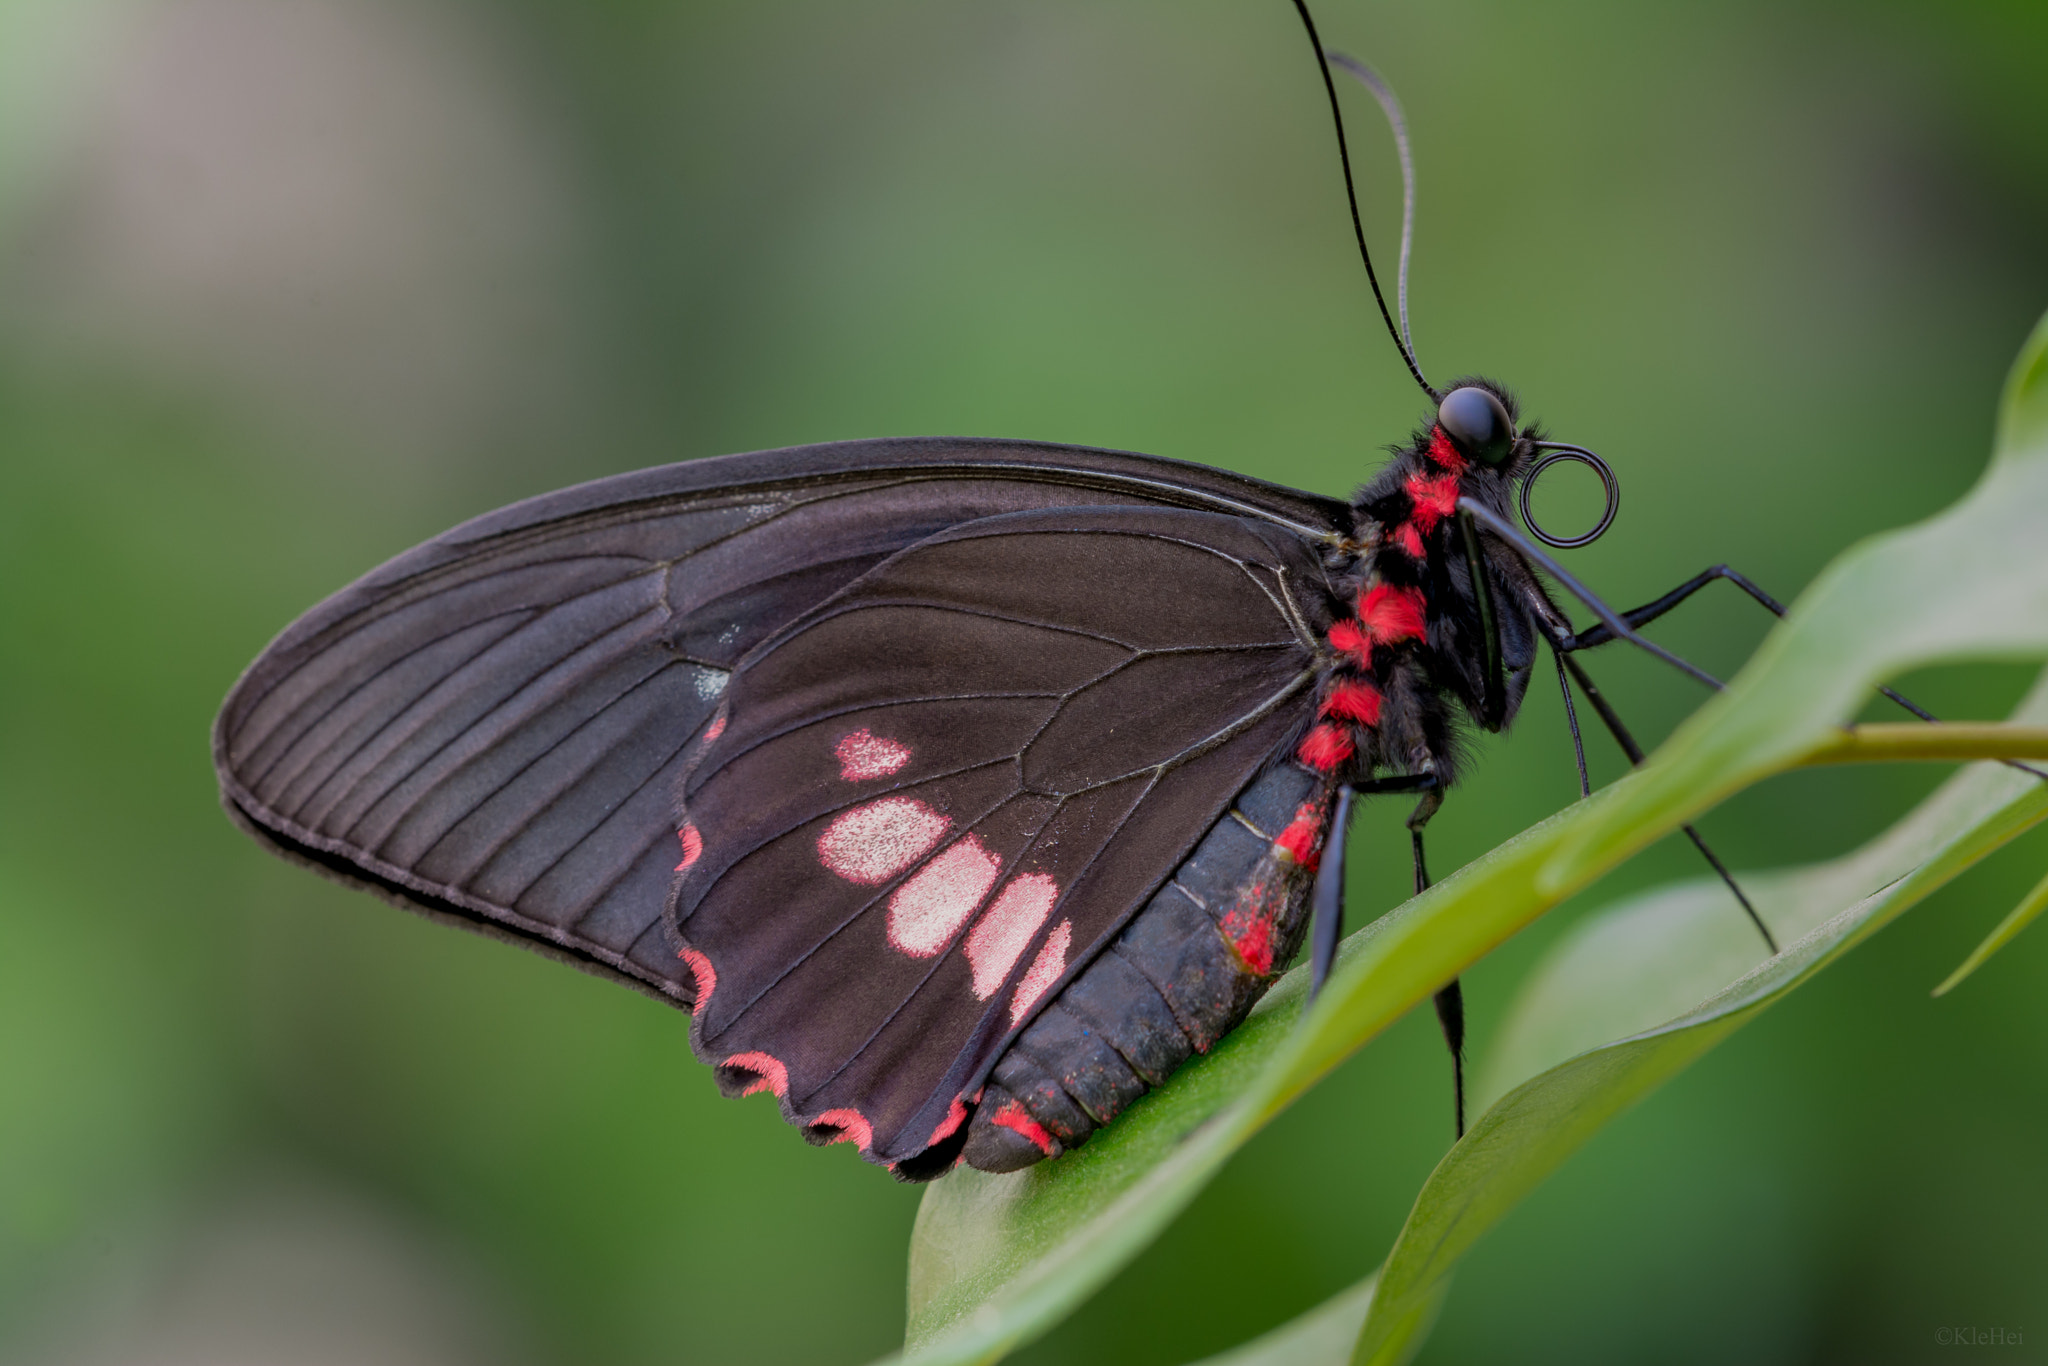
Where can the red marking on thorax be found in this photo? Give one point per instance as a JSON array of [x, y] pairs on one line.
[[1358, 702], [1391, 614], [693, 845], [928, 910], [1409, 539], [1006, 929], [705, 975], [873, 842], [1325, 747], [1434, 500], [852, 1127], [956, 1115], [1012, 1115], [864, 755], [1348, 637], [1044, 970], [769, 1073], [1444, 453]]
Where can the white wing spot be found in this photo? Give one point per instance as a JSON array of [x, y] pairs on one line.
[[874, 842]]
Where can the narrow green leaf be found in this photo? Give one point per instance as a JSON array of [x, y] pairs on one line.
[[995, 1260], [1636, 993], [1321, 1337], [2008, 930]]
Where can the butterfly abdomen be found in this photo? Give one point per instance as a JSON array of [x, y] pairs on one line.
[[1185, 972]]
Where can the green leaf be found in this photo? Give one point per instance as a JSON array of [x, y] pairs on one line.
[[2008, 930], [1321, 1337], [996, 1260], [1633, 995]]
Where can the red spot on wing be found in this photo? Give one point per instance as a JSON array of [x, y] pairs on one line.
[[1012, 1115], [843, 1126], [864, 755], [693, 845], [1358, 702], [1044, 970], [1392, 614], [705, 975], [1002, 934], [1444, 453], [873, 842], [1325, 747], [956, 1115], [769, 1073], [717, 729], [928, 910]]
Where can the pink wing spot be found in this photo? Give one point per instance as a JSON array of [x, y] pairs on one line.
[[850, 1125], [955, 1117], [706, 978], [1000, 937], [874, 842], [769, 1073], [927, 911], [717, 729], [863, 755], [693, 845], [1013, 1115], [1043, 972]]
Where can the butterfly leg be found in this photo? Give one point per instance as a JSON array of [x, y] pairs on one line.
[[1634, 752], [1327, 900], [1450, 1002], [1650, 611]]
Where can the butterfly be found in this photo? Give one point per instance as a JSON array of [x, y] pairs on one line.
[[959, 789]]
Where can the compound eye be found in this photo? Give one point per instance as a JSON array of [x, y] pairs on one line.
[[1477, 424]]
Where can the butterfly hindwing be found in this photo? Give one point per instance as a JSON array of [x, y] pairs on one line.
[[934, 797]]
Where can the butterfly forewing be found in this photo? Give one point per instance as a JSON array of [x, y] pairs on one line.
[[940, 792], [493, 726]]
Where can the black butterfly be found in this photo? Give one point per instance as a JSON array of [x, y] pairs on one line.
[[960, 789]]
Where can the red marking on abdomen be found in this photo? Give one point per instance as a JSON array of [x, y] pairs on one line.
[[1358, 702], [1444, 453], [1255, 946], [769, 1073], [1392, 614], [1044, 970], [705, 976], [871, 844], [927, 911], [1434, 500], [693, 845], [1012, 1115], [1325, 747], [956, 1115], [852, 1127], [1000, 937], [864, 755], [1301, 839]]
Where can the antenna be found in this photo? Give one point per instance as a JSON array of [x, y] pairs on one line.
[[1324, 60]]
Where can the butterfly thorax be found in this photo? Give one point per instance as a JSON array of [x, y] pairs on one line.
[[1405, 653]]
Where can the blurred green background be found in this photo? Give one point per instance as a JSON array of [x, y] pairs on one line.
[[288, 285]]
